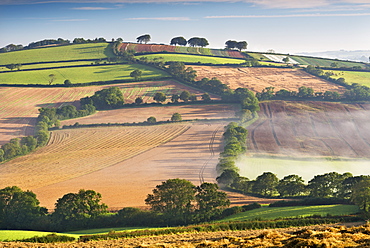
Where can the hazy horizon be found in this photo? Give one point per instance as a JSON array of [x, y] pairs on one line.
[[285, 26]]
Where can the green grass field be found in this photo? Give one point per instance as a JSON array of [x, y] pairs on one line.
[[79, 74], [252, 167], [324, 62], [48, 65], [70, 52], [193, 58], [351, 77], [267, 213]]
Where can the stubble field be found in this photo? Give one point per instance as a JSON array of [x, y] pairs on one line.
[[257, 79], [19, 105]]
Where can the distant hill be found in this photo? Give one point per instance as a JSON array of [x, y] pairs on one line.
[[358, 55]]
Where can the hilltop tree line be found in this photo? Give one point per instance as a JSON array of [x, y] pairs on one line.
[[173, 202]]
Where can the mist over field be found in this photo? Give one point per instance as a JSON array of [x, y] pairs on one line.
[[252, 167]]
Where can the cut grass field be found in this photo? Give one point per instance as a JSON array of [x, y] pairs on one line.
[[271, 213], [79, 74], [192, 59], [351, 77], [47, 65], [10, 235], [61, 53]]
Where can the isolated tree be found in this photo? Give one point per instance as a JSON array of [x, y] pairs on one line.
[[67, 82], [52, 78], [18, 208], [119, 40], [185, 96], [206, 97], [151, 120], [173, 198], [136, 74], [175, 98], [176, 117], [265, 184], [241, 45], [143, 38], [286, 59], [159, 97], [11, 66], [210, 201], [231, 44], [178, 41], [291, 185], [79, 206], [139, 100]]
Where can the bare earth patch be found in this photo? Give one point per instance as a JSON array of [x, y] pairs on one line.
[[257, 79]]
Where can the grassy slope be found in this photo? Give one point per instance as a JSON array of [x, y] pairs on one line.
[[17, 234], [79, 74], [70, 52], [193, 58], [49, 65], [268, 213], [351, 77]]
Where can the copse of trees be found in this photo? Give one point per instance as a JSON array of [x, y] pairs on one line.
[[198, 42], [110, 98], [178, 41], [240, 45]]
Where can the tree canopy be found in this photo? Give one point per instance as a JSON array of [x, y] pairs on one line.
[[110, 98], [196, 41], [143, 38], [178, 41]]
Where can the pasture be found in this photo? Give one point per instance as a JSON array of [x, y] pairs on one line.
[[192, 58], [271, 213], [60, 53], [48, 65], [79, 75], [352, 77], [257, 79]]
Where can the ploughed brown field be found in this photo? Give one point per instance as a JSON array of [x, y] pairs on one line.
[[19, 105], [124, 164], [310, 129], [256, 79]]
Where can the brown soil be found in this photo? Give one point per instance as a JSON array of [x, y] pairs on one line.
[[257, 79], [311, 129]]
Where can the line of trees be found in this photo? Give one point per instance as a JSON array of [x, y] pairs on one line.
[[173, 202], [193, 42]]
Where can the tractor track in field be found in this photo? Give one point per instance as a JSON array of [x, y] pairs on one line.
[[212, 154]]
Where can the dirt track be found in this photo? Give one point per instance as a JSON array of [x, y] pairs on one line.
[[257, 79]]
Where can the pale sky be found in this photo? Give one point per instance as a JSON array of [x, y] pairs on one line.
[[286, 26]]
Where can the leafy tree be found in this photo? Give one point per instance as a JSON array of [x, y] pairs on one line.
[[136, 74], [1, 155], [305, 92], [52, 78], [105, 99], [210, 201], [30, 142], [231, 44], [291, 185], [151, 119], [176, 117], [196, 41], [327, 185], [241, 45], [185, 95], [174, 199], [79, 206], [265, 184], [159, 97], [178, 41], [206, 97], [193, 97], [175, 98], [18, 209], [361, 194], [286, 59], [227, 177], [11, 66], [266, 94], [139, 100], [143, 38], [67, 82]]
